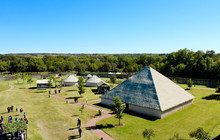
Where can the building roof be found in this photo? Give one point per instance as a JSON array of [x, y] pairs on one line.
[[44, 81], [149, 88], [71, 78], [89, 75], [102, 83], [94, 79]]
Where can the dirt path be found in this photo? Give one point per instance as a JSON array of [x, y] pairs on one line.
[[11, 88]]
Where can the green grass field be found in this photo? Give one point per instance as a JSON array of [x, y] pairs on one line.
[[53, 119], [49, 118], [203, 113]]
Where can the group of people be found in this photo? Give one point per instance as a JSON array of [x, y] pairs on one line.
[[20, 135], [10, 108], [55, 91]]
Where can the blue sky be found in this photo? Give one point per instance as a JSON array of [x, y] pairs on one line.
[[108, 26]]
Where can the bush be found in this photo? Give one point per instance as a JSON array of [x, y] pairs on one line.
[[189, 83], [148, 133], [218, 88], [200, 134]]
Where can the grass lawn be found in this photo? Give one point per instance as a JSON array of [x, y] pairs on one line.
[[4, 87], [49, 118], [205, 112]]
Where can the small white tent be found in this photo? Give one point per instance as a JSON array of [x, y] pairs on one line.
[[70, 81], [44, 83], [92, 82]]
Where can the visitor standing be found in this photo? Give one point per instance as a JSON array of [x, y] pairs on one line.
[[8, 109], [24, 115], [49, 93], [2, 118], [12, 107], [78, 123]]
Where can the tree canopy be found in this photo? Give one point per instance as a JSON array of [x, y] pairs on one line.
[[183, 63]]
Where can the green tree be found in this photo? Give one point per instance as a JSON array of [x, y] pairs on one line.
[[29, 79], [148, 133], [17, 77], [3, 66], [189, 83], [51, 80], [200, 134], [82, 108], [81, 88], [35, 64], [23, 77], [118, 108], [113, 79]]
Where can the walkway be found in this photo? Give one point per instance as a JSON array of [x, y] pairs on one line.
[[11, 88], [91, 124]]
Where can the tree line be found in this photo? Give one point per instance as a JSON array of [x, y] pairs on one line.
[[182, 63]]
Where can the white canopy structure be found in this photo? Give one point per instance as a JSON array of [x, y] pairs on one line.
[[44, 83], [70, 81], [92, 82], [151, 93]]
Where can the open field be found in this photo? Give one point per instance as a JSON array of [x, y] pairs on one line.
[[204, 113], [49, 118], [52, 119]]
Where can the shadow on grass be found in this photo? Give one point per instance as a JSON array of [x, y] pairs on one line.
[[72, 90], [40, 92], [129, 112], [212, 97], [150, 118], [4, 113], [32, 88], [74, 137], [69, 98], [72, 128], [75, 115], [101, 126], [217, 137], [97, 114], [95, 91], [101, 105]]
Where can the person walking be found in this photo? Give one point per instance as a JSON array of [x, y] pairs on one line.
[[2, 118], [80, 132], [78, 123]]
